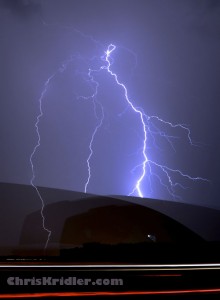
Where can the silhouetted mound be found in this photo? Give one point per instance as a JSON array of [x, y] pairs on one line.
[[56, 214], [100, 219], [75, 219], [124, 224], [20, 203]]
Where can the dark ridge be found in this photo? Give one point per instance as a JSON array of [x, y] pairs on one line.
[[124, 224], [21, 231]]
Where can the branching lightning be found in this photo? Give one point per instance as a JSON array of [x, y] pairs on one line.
[[107, 58], [46, 85], [147, 166], [39, 116], [145, 120], [96, 104]]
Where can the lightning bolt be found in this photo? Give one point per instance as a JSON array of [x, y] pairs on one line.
[[94, 84], [46, 85], [96, 104], [107, 58], [146, 123], [38, 144], [149, 128]]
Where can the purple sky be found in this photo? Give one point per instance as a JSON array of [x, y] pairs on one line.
[[167, 55]]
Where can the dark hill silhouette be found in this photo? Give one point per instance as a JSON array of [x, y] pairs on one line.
[[56, 215], [99, 219], [17, 201], [202, 220], [21, 222], [124, 224]]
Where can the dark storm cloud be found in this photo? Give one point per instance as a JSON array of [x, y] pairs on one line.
[[212, 4], [208, 5], [204, 17], [22, 8]]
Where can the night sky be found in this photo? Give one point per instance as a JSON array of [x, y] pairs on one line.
[[167, 55]]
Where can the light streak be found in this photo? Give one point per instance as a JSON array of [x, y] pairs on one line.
[[113, 293]]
